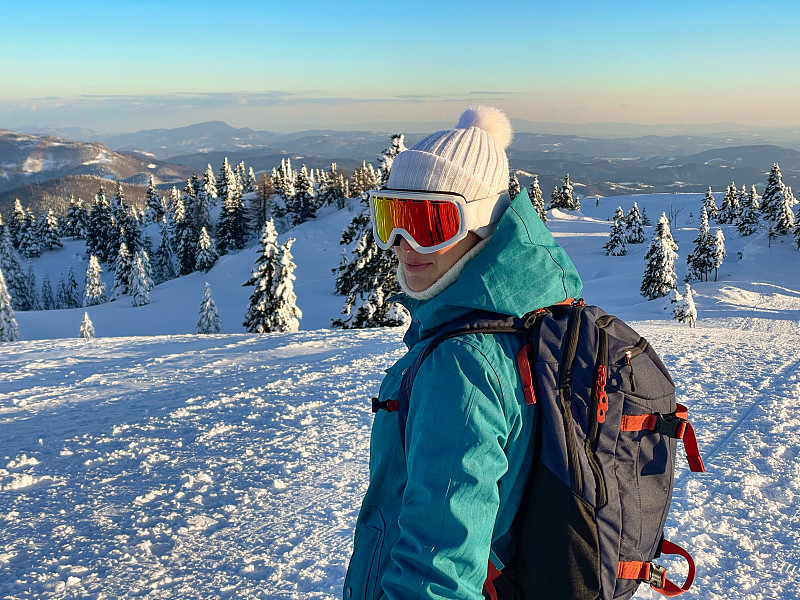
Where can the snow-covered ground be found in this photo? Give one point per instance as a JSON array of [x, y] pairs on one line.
[[150, 462]]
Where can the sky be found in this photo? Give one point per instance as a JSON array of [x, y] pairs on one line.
[[120, 66]]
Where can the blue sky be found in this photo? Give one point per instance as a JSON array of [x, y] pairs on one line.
[[122, 66]]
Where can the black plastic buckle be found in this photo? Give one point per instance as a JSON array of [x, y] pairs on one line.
[[657, 576], [387, 405], [670, 425]]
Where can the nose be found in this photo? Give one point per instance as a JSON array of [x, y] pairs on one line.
[[403, 246]]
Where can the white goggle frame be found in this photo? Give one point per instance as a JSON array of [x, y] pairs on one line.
[[472, 215]]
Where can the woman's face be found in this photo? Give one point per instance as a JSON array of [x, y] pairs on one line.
[[421, 271]]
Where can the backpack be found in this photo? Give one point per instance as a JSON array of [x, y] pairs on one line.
[[606, 430]]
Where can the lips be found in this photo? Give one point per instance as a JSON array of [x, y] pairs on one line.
[[415, 267]]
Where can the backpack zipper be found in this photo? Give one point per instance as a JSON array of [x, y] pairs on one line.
[[565, 397]]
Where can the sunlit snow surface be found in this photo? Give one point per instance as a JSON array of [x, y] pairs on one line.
[[184, 466], [232, 466]]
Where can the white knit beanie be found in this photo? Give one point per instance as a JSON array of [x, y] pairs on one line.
[[469, 160]]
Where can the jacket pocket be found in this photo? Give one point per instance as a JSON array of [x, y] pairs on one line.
[[362, 579]]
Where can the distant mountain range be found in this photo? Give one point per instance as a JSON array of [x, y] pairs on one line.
[[35, 165], [31, 166]]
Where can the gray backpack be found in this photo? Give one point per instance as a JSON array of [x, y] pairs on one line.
[[607, 426]]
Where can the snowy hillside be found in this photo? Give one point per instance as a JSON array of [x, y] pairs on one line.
[[172, 465]]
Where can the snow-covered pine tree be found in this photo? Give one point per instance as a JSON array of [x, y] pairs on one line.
[[634, 234], [535, 194], [130, 229], [616, 242], [563, 198], [718, 253], [72, 298], [173, 200], [29, 292], [154, 202], [386, 159], [61, 293], [283, 180], [285, 315], [164, 258], [257, 318], [17, 222], [727, 211], [100, 227], [139, 284], [144, 257], [206, 252], [514, 187], [94, 290], [206, 197], [209, 317], [364, 178], [685, 310], [232, 228], [29, 237], [250, 183], [8, 322], [123, 266], [77, 219], [659, 275], [700, 261], [645, 219], [48, 301], [12, 267], [710, 204], [369, 279], [749, 216], [48, 231], [783, 216], [240, 174], [797, 233], [86, 331], [773, 197], [303, 204]]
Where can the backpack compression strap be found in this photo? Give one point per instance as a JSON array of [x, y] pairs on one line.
[[656, 575], [673, 425]]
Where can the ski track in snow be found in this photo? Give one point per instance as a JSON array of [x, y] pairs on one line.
[[186, 466], [233, 466]]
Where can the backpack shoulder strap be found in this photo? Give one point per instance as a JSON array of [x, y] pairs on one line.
[[474, 322]]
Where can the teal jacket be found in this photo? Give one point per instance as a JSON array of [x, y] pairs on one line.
[[435, 514]]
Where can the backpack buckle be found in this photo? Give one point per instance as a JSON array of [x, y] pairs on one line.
[[656, 576], [670, 425], [387, 405]]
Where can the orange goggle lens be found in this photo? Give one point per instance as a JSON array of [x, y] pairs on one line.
[[429, 222]]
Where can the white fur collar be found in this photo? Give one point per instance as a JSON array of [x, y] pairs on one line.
[[445, 280]]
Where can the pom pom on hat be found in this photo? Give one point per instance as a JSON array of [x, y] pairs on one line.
[[492, 120]]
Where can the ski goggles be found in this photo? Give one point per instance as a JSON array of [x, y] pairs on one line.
[[429, 221]]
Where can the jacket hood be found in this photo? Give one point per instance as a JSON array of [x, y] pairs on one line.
[[522, 268]]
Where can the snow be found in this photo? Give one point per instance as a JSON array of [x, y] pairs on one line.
[[155, 463]]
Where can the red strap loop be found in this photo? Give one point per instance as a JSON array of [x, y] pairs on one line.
[[525, 374], [656, 575], [683, 431], [491, 574]]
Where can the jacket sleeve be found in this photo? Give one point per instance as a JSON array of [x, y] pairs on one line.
[[455, 436]]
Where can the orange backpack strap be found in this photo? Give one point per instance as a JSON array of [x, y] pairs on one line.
[[656, 575], [491, 574], [673, 425]]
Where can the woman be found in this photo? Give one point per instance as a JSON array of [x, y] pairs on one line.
[[438, 512]]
